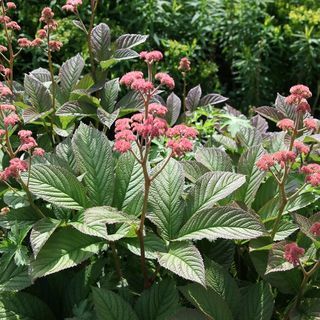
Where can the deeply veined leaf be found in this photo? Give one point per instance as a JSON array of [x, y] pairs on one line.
[[94, 157], [249, 137], [261, 124], [212, 99], [69, 74], [110, 306], [174, 108], [214, 159], [193, 98], [100, 42], [185, 260], [257, 302], [127, 41], [210, 188], [58, 186], [65, 152], [165, 199], [207, 301], [109, 95], [41, 232], [106, 118], [158, 302], [125, 54], [254, 176], [74, 108], [66, 248], [270, 113], [193, 170], [221, 222], [43, 75], [24, 306], [128, 182]]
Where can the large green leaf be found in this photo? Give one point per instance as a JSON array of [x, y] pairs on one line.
[[128, 41], [58, 186], [185, 260], [158, 302], [65, 152], [249, 137], [41, 232], [193, 170], [100, 41], [23, 306], [188, 314], [221, 222], [165, 200], [254, 176], [69, 75], [257, 302], [210, 188], [129, 181], [207, 301], [214, 159], [109, 95], [94, 157], [110, 306], [66, 248]]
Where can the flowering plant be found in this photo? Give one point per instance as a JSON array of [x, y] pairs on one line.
[[117, 209]]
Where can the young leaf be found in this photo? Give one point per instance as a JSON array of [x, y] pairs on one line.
[[125, 54], [58, 186], [210, 188], [100, 42], [185, 260], [165, 200], [110, 306], [94, 158], [66, 248], [127, 41], [221, 222], [208, 302], [257, 302], [158, 302], [214, 159], [212, 99], [174, 108], [109, 95], [193, 98]]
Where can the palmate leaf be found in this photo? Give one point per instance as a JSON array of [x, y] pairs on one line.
[[207, 301], [165, 200], [185, 260], [94, 158], [100, 42], [110, 306], [214, 159], [128, 182], [58, 186], [210, 188], [221, 222], [66, 248], [127, 41], [254, 176], [24, 306], [257, 302], [158, 302]]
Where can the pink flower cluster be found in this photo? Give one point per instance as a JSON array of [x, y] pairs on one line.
[[135, 81], [72, 5], [286, 124], [312, 171], [165, 80], [47, 18], [315, 229], [300, 147], [311, 124], [4, 90], [184, 65], [298, 96], [26, 43], [292, 253], [27, 141], [267, 161], [16, 166], [151, 57]]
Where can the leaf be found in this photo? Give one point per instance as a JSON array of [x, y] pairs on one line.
[[276, 260], [100, 41], [254, 176], [227, 142], [210, 188], [165, 199], [308, 310], [41, 232], [193, 98], [22, 305], [260, 124], [257, 302], [106, 118], [208, 302], [158, 302], [214, 159], [110, 306], [66, 248], [221, 222], [69, 74], [65, 152], [305, 224], [79, 25], [185, 260], [94, 158], [193, 170], [109, 95], [74, 108], [128, 182], [212, 99], [270, 113], [39, 95], [58, 186], [218, 279], [41, 74], [174, 108], [132, 100], [188, 314], [249, 137], [127, 41], [125, 54], [16, 199], [286, 228]]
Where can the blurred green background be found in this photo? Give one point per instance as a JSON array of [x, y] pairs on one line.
[[245, 49]]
